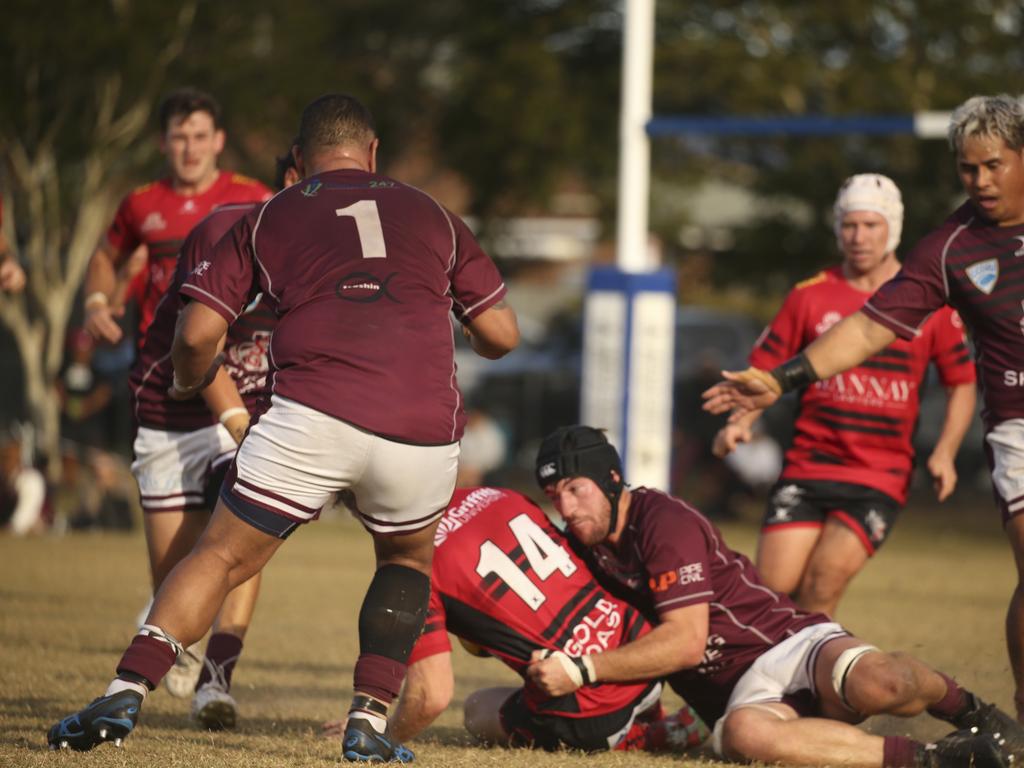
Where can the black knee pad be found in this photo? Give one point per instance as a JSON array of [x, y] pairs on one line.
[[393, 611]]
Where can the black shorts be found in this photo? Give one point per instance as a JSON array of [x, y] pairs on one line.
[[868, 513], [550, 731]]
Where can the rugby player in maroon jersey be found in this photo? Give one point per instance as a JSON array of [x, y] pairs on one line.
[[363, 273], [182, 451], [848, 469], [506, 584], [973, 263], [781, 685], [159, 215]]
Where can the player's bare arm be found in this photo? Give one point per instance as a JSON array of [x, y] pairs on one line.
[[224, 402], [100, 286], [847, 344], [197, 339], [429, 686], [494, 332], [676, 643], [960, 403]]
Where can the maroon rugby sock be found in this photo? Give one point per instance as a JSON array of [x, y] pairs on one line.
[[900, 752], [378, 676], [223, 650], [953, 704], [147, 658]]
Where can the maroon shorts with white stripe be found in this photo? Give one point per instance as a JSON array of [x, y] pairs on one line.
[[172, 468], [295, 459], [1004, 447]]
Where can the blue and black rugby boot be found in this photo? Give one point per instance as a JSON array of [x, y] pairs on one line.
[[988, 718], [363, 744], [108, 718]]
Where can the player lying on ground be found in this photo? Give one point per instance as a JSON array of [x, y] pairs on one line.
[[504, 582], [780, 685]]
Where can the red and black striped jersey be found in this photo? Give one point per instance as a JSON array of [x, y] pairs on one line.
[[505, 579], [856, 427], [977, 267], [160, 217]]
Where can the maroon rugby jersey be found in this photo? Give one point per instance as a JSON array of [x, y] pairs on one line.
[[160, 217], [670, 556], [245, 350], [504, 579], [362, 271], [978, 268], [857, 426]]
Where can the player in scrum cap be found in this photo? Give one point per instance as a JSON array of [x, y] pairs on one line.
[[847, 472], [972, 262]]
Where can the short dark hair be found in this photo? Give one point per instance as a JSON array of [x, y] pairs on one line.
[[282, 164], [182, 102], [332, 120]]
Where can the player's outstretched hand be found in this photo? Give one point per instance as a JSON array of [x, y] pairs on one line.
[[943, 471], [333, 728], [741, 392], [101, 323], [729, 437], [12, 276]]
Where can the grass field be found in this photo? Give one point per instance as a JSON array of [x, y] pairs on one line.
[[939, 590]]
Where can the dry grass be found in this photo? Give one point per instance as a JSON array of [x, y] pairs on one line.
[[67, 606]]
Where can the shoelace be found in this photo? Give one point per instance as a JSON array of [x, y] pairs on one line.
[[217, 671]]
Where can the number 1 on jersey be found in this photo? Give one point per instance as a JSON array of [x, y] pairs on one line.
[[544, 555], [368, 227]]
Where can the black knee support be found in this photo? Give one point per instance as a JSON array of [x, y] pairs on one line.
[[393, 611]]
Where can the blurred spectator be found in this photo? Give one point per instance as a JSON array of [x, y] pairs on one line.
[[12, 276], [83, 393], [23, 502]]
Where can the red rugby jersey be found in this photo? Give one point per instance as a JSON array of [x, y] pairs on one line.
[[245, 349], [976, 267], [503, 578], [363, 272], [856, 427], [158, 216]]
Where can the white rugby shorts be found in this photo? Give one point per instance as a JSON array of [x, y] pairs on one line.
[[172, 468], [295, 459], [782, 670], [1006, 457]]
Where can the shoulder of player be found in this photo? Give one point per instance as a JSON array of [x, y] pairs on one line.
[[819, 278], [651, 510]]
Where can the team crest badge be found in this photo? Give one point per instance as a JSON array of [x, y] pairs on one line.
[[1019, 251], [984, 274]]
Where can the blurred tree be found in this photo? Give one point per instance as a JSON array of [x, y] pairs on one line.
[[75, 100]]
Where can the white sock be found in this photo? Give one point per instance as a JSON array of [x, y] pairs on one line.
[[378, 723], [117, 685]]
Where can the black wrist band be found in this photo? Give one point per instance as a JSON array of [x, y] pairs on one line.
[[795, 373], [584, 672]]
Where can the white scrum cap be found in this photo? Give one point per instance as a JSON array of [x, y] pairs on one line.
[[871, 192]]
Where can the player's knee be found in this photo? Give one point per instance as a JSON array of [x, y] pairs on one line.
[[823, 585], [748, 735], [880, 682], [393, 611]]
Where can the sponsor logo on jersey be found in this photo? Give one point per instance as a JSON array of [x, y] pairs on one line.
[[468, 508], [984, 274], [201, 267], [1020, 251], [711, 661], [827, 321], [153, 222], [312, 188], [868, 389], [788, 496], [189, 206], [362, 287]]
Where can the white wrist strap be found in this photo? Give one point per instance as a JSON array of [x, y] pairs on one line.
[[96, 298], [580, 669], [230, 413]]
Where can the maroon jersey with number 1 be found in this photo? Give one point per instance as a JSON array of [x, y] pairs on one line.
[[363, 272], [856, 427], [245, 349], [503, 578]]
